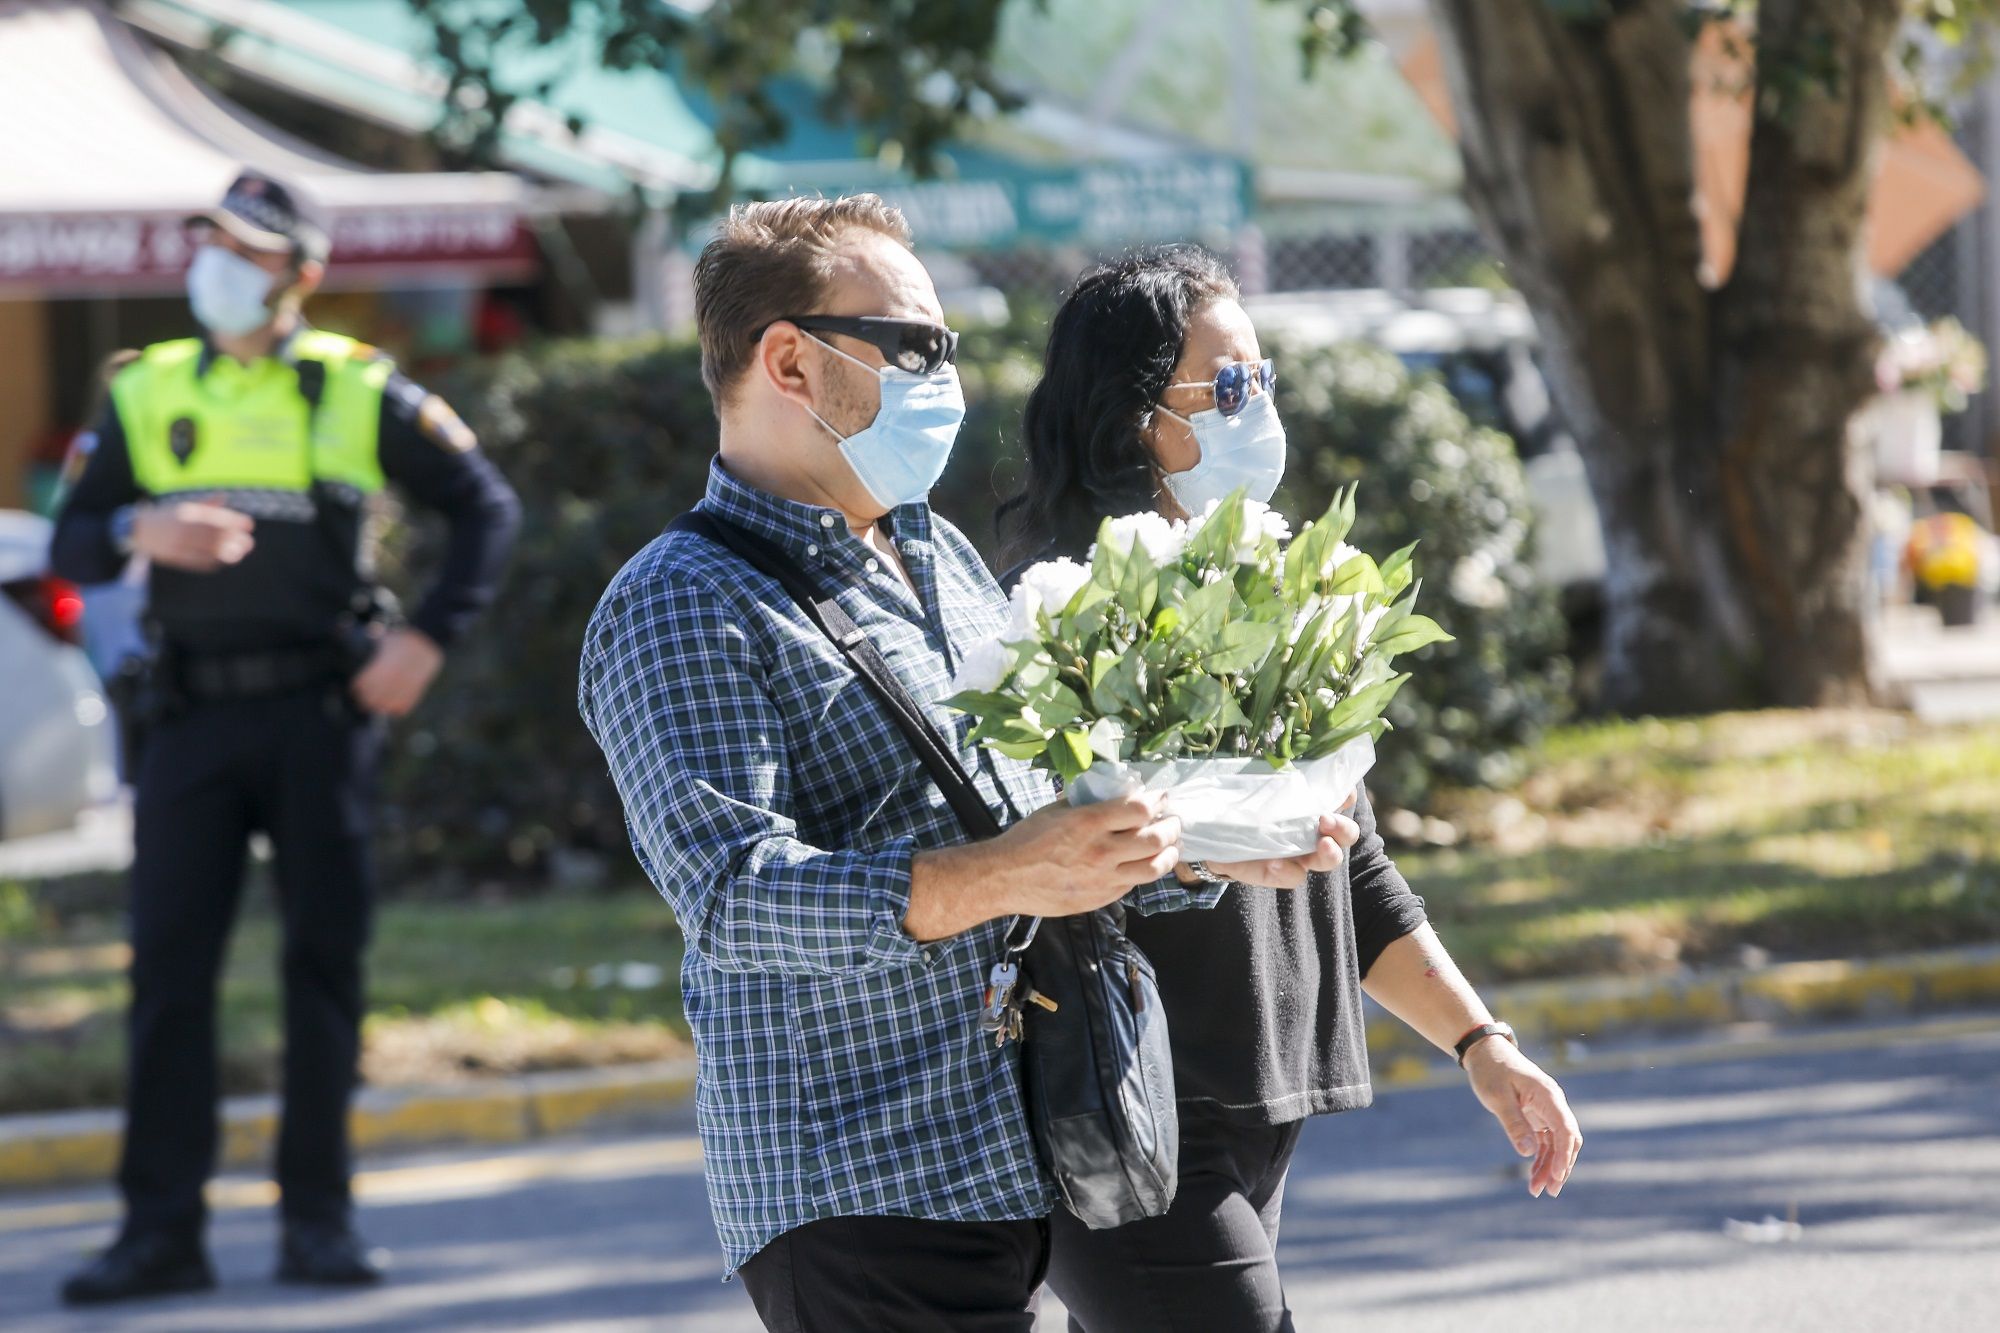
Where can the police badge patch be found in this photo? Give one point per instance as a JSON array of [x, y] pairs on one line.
[[444, 426], [181, 439]]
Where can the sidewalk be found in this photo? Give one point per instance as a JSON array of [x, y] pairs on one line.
[[1558, 1022], [1941, 675]]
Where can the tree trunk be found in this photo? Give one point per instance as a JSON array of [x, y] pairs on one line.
[[1713, 423]]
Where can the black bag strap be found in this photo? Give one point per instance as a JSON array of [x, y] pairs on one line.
[[939, 757]]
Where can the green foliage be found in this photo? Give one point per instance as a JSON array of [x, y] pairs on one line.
[[904, 72], [1354, 414], [1154, 649]]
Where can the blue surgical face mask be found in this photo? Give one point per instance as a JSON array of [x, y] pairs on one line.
[[901, 454], [1245, 452], [230, 295]]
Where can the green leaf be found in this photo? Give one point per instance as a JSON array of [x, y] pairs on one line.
[[1086, 613], [1107, 564], [1244, 647], [984, 705], [1139, 589], [1398, 571], [1357, 574], [1162, 744], [1323, 746], [1364, 705], [1340, 517], [1107, 739], [1415, 632], [1122, 688], [1100, 662], [1071, 753], [1203, 616], [1197, 701], [1305, 561], [1057, 705], [1264, 692], [1215, 543]]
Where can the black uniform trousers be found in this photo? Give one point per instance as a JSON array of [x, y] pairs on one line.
[[300, 767], [1210, 1263]]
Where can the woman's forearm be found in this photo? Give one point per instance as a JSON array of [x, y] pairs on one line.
[[1415, 980]]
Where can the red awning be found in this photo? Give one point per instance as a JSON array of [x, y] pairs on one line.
[[109, 145]]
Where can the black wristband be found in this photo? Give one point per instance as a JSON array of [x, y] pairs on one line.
[[1481, 1033]]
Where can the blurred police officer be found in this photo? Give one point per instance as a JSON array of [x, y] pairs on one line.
[[240, 465]]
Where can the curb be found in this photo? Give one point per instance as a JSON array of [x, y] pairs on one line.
[[76, 1146], [82, 1146], [1603, 1008]]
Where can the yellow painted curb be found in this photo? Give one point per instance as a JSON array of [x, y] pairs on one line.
[[1594, 1008], [42, 1150], [56, 1158], [561, 1110]]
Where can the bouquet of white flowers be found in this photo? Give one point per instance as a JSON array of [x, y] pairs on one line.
[[1240, 670]]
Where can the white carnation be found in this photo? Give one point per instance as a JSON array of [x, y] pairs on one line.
[[984, 667], [1056, 582], [1161, 540], [1024, 618]]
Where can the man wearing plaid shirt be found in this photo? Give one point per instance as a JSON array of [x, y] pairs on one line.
[[869, 1162]]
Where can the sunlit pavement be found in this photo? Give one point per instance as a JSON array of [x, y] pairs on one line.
[[1406, 1217]]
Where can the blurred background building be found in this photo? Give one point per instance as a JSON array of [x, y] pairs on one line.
[[1335, 196]]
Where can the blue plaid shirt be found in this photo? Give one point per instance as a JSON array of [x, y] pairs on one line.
[[775, 806]]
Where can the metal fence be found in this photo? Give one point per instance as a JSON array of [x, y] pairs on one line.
[[1391, 257]]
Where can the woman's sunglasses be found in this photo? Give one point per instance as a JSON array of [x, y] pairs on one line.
[[915, 345], [1232, 384]]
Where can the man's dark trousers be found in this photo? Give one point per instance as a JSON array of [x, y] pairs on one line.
[[300, 767], [900, 1275]]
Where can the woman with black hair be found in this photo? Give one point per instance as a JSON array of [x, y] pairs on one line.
[[1155, 396]]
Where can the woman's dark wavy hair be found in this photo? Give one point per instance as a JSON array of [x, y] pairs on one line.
[[1112, 350]]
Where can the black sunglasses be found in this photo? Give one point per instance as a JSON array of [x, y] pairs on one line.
[[915, 345], [1232, 384]]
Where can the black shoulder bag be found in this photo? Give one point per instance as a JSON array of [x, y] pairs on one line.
[[1097, 1071]]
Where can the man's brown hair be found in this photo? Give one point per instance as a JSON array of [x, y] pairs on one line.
[[767, 261]]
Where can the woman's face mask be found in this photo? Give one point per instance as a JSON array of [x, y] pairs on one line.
[[1243, 452], [231, 295], [901, 454]]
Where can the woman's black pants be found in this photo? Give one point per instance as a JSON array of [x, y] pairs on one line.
[[1210, 1263]]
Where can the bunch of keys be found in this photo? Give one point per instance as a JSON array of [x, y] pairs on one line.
[[1005, 993]]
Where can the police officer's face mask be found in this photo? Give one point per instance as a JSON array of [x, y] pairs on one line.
[[231, 295]]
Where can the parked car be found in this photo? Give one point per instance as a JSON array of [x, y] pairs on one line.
[[58, 742]]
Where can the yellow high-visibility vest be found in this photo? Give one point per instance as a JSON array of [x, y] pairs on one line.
[[250, 427]]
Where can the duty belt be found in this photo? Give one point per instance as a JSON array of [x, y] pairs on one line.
[[222, 677]]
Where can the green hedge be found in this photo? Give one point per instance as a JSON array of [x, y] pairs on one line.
[[496, 780], [1429, 475]]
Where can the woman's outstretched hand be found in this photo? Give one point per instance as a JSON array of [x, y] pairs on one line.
[[1530, 1107]]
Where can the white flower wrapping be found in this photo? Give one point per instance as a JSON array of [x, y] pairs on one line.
[[1240, 670], [1238, 809]]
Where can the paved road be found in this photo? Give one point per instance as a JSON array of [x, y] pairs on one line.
[[1406, 1217]]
